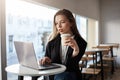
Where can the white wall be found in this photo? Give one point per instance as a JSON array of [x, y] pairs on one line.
[[110, 21], [87, 8], [92, 38]]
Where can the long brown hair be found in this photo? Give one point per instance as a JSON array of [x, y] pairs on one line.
[[68, 14]]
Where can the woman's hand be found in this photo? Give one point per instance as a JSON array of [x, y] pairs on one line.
[[73, 44], [45, 60]]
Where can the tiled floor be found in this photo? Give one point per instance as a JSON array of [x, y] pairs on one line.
[[116, 75]]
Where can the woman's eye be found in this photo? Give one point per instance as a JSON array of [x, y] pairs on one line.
[[63, 22], [56, 23]]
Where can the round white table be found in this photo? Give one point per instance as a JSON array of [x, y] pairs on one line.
[[26, 71]]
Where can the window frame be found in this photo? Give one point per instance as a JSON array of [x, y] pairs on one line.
[[3, 73]]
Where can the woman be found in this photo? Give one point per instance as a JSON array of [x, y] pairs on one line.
[[56, 52]]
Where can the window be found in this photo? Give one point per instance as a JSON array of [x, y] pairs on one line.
[[88, 29], [82, 26], [26, 22]]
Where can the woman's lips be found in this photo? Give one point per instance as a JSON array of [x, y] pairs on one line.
[[60, 30]]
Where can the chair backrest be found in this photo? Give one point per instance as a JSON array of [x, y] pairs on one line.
[[88, 56]]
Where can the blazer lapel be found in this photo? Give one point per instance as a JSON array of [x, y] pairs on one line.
[[57, 47]]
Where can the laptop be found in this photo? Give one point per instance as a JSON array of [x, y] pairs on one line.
[[27, 57]]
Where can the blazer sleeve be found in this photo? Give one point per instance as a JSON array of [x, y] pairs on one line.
[[82, 47], [48, 50]]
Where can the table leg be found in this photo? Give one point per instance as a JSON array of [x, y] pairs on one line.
[[20, 77], [35, 77], [112, 71], [101, 61], [46, 78]]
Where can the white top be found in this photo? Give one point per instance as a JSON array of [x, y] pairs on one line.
[[64, 52], [26, 71]]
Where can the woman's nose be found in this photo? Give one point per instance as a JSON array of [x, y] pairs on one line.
[[59, 25]]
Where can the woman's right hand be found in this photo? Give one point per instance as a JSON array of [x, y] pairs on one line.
[[45, 60]]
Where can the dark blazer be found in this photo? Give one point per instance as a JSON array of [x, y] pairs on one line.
[[71, 63]]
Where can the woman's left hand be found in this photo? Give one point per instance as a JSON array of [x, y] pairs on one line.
[[73, 44]]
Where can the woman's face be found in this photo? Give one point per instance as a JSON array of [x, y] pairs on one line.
[[62, 24]]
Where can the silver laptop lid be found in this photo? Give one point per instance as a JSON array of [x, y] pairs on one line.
[[27, 57], [26, 54]]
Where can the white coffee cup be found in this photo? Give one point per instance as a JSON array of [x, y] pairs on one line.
[[64, 37]]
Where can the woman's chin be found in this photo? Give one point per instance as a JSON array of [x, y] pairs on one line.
[[62, 33]]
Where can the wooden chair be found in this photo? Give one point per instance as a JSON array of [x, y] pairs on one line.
[[115, 51], [107, 58], [88, 56], [86, 70]]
